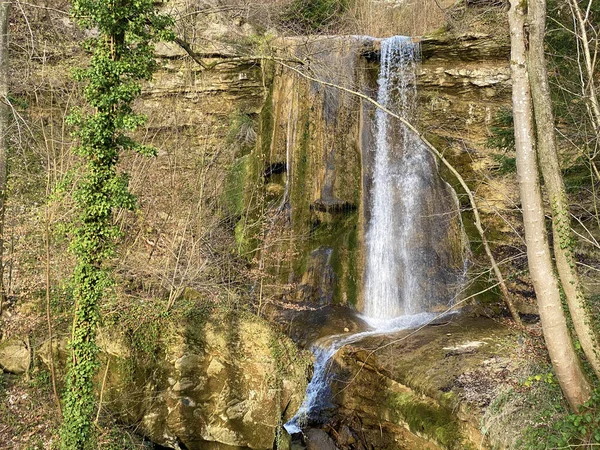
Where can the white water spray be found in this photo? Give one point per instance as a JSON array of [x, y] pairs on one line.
[[394, 280]]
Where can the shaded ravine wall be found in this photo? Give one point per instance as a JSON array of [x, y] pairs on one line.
[[315, 144], [318, 133]]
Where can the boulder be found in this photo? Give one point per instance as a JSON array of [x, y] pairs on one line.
[[14, 356], [225, 380], [319, 440]]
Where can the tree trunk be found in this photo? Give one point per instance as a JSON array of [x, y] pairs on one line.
[[4, 126], [564, 360], [548, 157]]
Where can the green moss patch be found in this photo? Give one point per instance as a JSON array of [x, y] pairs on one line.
[[238, 177], [428, 419]]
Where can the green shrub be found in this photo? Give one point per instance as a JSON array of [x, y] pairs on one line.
[[581, 428], [502, 132], [506, 164], [558, 429], [502, 138]]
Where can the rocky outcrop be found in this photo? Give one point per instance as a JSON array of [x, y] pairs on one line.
[[15, 356], [320, 138], [424, 390], [464, 80], [227, 381]]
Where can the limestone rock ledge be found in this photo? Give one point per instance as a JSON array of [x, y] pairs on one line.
[[428, 389], [463, 84], [225, 381]]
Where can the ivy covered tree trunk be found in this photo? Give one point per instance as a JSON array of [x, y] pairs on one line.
[[568, 369], [4, 126], [122, 56], [553, 180]]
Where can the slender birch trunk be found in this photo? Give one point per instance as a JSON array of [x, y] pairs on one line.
[[568, 370], [553, 180], [4, 126]]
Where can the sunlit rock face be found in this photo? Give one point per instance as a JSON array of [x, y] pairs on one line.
[[221, 380]]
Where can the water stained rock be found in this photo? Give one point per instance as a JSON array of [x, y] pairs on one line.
[[306, 326]]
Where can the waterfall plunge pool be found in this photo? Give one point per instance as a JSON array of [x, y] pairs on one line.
[[318, 392]]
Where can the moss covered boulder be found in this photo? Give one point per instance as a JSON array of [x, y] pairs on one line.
[[14, 356], [424, 389], [217, 379]]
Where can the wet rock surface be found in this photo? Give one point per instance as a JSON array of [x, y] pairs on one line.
[[319, 440], [306, 326], [420, 389]]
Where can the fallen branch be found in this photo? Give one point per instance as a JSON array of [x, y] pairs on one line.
[[224, 58]]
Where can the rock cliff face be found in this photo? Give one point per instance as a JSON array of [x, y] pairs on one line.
[[464, 87], [285, 164], [226, 380], [464, 81], [315, 133], [320, 138]]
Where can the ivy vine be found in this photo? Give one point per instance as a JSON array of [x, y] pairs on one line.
[[122, 56]]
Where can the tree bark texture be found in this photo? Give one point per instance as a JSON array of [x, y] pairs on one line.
[[558, 341], [4, 127]]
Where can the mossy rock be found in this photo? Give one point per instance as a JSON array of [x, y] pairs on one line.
[[222, 378], [240, 176], [428, 419], [437, 382]]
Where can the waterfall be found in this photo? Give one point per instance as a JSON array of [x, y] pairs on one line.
[[411, 261], [395, 281]]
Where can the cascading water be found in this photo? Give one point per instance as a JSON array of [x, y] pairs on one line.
[[317, 392], [396, 289], [395, 283]]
